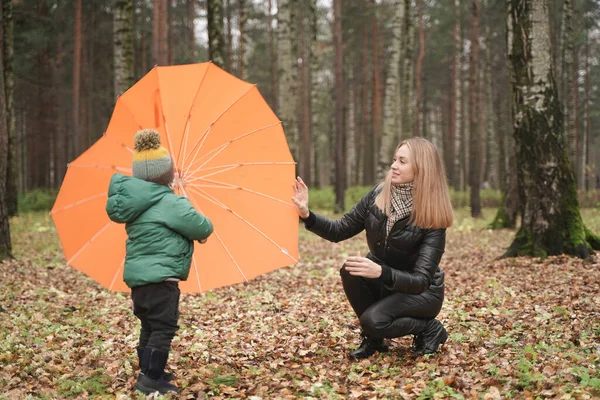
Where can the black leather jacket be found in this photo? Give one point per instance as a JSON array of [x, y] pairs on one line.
[[409, 256]]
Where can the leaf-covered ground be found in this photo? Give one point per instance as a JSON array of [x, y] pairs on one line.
[[520, 328]]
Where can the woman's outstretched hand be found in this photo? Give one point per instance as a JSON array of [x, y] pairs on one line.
[[361, 266], [300, 197]]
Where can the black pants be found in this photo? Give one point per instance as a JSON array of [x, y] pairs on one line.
[[157, 307], [387, 314]]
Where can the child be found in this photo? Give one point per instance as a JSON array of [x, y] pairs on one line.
[[161, 227]]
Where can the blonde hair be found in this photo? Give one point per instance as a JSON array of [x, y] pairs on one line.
[[431, 207]]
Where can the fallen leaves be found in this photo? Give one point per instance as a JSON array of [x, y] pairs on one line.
[[521, 328]]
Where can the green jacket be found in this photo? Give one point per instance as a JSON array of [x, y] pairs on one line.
[[161, 227]]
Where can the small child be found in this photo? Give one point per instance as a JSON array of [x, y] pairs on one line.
[[161, 227]]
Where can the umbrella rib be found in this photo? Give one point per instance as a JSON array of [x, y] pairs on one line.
[[184, 141], [233, 166], [212, 199], [219, 238], [121, 169], [112, 283], [88, 243], [198, 149], [130, 113], [234, 187], [78, 202], [119, 142], [197, 276], [224, 146], [203, 139]]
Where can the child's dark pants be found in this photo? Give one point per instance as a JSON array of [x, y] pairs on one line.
[[157, 307]]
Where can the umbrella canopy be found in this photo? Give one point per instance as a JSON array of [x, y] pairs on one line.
[[231, 160]]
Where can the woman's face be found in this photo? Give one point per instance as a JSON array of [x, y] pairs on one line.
[[402, 167]]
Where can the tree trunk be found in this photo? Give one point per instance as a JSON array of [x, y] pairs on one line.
[[155, 30], [474, 117], [5, 242], [340, 170], [163, 34], [12, 171], [191, 36], [376, 114], [407, 80], [229, 37], [551, 220], [242, 46], [391, 116], [305, 93], [77, 139], [216, 40], [419, 72], [571, 85], [273, 60], [287, 75], [123, 45], [588, 131], [363, 158]]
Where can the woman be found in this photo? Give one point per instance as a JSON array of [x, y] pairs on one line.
[[398, 288]]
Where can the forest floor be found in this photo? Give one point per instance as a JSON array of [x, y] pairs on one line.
[[521, 328]]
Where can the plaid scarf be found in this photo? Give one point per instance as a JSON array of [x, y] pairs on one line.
[[402, 199]]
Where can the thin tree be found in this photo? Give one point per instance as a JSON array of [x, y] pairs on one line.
[[216, 39], [243, 20], [228, 37], [77, 46], [163, 33], [340, 170], [475, 142], [123, 45], [551, 222], [191, 36], [287, 75], [391, 116], [419, 107], [7, 48], [5, 242], [376, 114], [272, 58]]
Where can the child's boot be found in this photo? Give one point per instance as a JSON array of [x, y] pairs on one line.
[[167, 376], [151, 380]]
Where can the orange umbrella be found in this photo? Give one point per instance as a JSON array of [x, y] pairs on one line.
[[232, 162]]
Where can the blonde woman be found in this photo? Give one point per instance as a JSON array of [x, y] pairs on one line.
[[398, 288]]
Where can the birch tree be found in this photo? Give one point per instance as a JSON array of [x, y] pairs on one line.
[[551, 220], [391, 115], [123, 45]]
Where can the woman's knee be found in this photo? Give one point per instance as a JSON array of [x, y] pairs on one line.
[[373, 324]]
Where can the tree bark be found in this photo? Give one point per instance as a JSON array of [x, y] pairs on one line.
[[5, 242], [376, 115], [475, 141], [229, 37], [12, 171], [340, 170], [216, 39], [191, 36], [419, 73], [551, 220], [272, 60], [77, 47], [242, 46], [588, 131], [163, 33], [391, 115], [287, 75], [123, 45]]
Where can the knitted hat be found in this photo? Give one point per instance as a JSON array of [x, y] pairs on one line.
[[151, 161]]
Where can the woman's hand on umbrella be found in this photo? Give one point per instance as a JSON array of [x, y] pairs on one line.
[[361, 266], [300, 197]]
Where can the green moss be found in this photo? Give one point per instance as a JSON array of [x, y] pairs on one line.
[[592, 239], [523, 246], [501, 220]]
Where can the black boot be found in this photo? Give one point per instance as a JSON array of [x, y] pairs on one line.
[[150, 380], [368, 347], [167, 376], [432, 337]]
